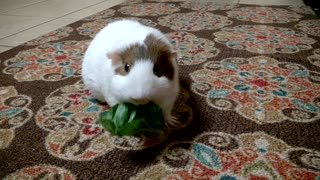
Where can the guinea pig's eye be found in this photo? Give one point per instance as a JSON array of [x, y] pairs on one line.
[[127, 67], [156, 70]]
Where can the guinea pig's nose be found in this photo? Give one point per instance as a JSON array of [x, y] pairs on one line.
[[139, 101]]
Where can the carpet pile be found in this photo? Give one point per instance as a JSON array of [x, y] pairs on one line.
[[249, 100]]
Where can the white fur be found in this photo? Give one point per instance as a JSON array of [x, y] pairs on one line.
[[99, 76]]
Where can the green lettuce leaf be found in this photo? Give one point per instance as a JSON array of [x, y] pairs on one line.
[[127, 119]]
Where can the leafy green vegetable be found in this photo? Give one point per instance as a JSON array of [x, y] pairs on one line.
[[127, 119]]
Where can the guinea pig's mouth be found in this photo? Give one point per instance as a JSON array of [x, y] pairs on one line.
[[139, 101]]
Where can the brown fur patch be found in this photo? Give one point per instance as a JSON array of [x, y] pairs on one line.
[[116, 59], [161, 55], [129, 56], [156, 50]]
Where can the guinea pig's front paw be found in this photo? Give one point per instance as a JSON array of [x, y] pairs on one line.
[[172, 122]]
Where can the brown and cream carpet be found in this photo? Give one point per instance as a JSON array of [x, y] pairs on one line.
[[250, 78]]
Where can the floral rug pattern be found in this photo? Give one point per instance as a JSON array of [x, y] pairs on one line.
[[249, 101], [264, 15], [260, 88], [262, 39]]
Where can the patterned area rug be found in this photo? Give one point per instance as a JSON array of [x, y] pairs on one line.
[[250, 78]]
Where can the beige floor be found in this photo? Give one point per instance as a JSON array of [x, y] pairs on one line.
[[23, 20]]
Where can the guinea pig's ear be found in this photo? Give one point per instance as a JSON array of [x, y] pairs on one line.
[[115, 58]]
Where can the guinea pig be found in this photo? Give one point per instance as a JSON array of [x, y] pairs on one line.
[[134, 63]]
